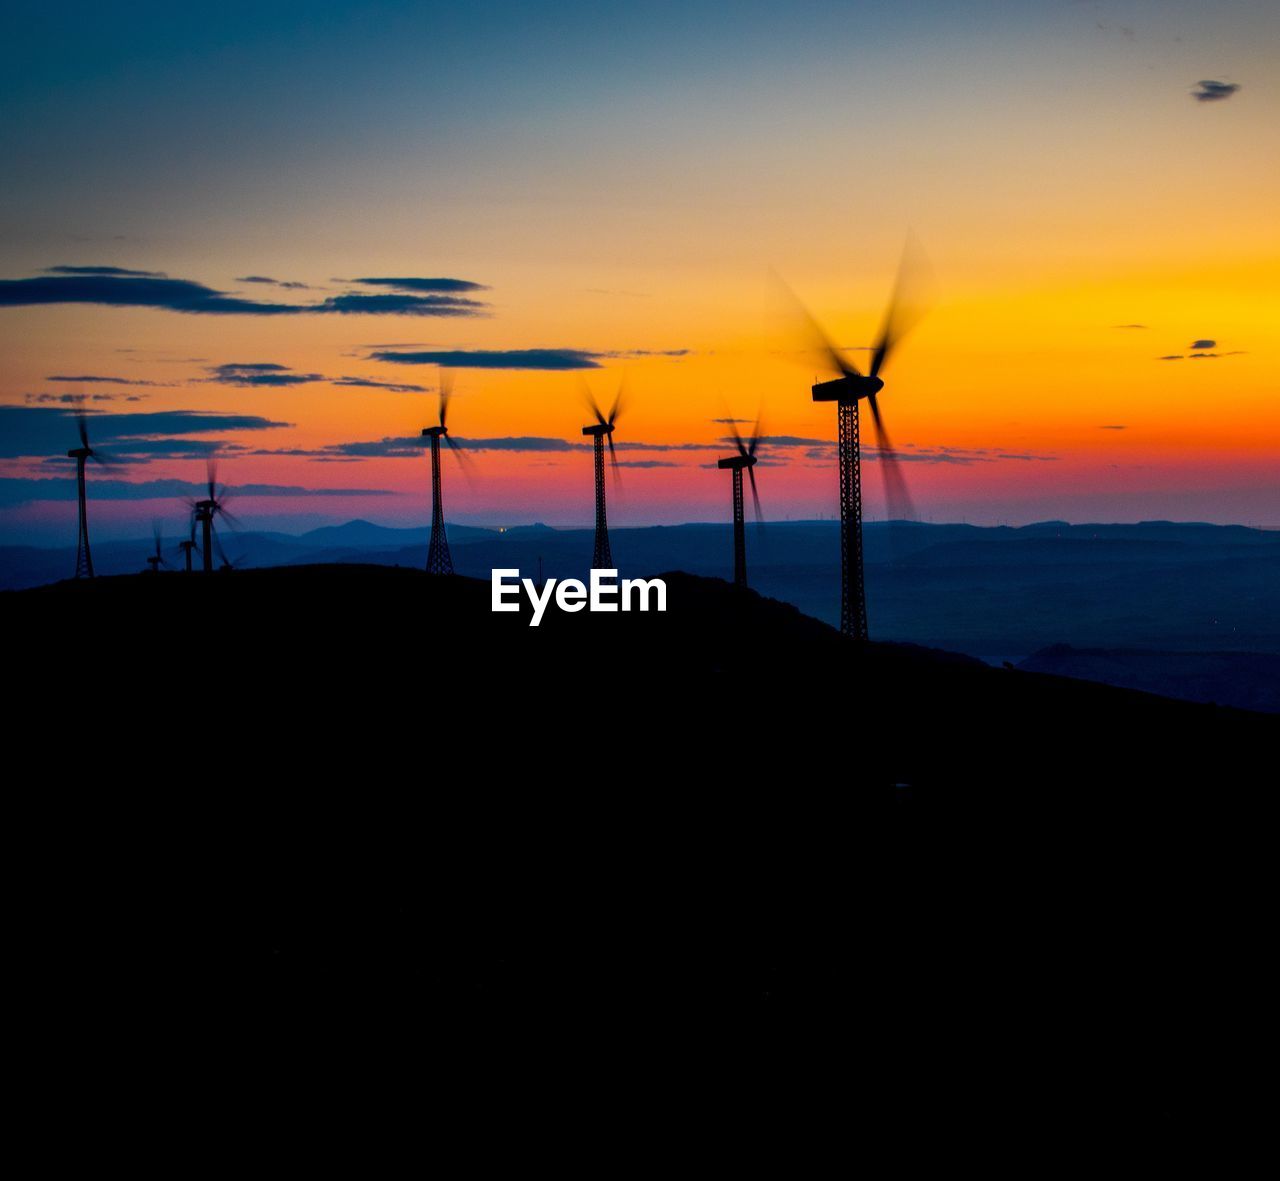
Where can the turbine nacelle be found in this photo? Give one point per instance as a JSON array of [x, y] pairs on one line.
[[849, 388], [80, 453], [434, 432], [599, 428], [737, 461]]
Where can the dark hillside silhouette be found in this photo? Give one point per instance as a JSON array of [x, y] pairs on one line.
[[355, 793]]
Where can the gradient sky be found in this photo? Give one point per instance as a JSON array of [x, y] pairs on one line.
[[620, 182]]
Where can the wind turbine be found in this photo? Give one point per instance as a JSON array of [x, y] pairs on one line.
[[156, 560], [847, 390], [188, 544], [600, 431], [745, 460], [204, 511], [84, 559], [438, 559]]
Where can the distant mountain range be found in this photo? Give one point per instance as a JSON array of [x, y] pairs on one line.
[[1148, 592]]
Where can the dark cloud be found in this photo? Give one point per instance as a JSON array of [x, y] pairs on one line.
[[74, 399], [646, 463], [523, 443], [445, 286], [114, 287], [1128, 325], [401, 305], [392, 386], [18, 491], [1113, 427], [40, 431], [1202, 344], [1170, 357], [732, 421], [1214, 356], [94, 379], [260, 373], [554, 359], [119, 271], [1210, 91], [266, 279]]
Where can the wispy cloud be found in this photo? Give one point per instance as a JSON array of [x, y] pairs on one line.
[[43, 431], [1202, 344], [118, 287], [268, 281], [552, 359], [391, 386], [259, 373], [16, 491], [1211, 91], [440, 285], [47, 399], [95, 379]]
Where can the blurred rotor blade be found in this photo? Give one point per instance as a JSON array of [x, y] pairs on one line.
[[755, 495], [590, 400], [819, 340], [619, 401], [905, 304], [613, 459], [737, 436], [897, 498], [211, 471], [755, 438], [233, 522], [446, 392], [82, 425], [465, 463]]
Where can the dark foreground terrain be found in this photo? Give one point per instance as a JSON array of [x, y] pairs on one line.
[[296, 814]]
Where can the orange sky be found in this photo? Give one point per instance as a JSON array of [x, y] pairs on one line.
[[1062, 183]]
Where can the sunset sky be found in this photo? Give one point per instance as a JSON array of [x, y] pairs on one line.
[[222, 224]]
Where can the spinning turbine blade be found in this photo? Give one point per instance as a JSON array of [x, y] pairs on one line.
[[613, 459], [904, 309], [821, 342], [897, 498], [755, 495], [618, 401], [590, 401], [82, 427], [446, 392]]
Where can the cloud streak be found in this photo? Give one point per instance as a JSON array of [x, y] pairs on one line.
[[546, 359], [41, 431], [1211, 91], [117, 287], [17, 491], [260, 373]]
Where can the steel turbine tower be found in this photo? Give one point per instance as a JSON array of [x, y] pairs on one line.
[[439, 560], [601, 431], [81, 454], [848, 390], [745, 460]]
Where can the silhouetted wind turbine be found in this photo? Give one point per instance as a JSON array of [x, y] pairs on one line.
[[438, 558], [156, 560], [745, 460], [84, 559], [204, 511], [600, 431], [847, 390], [188, 544]]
